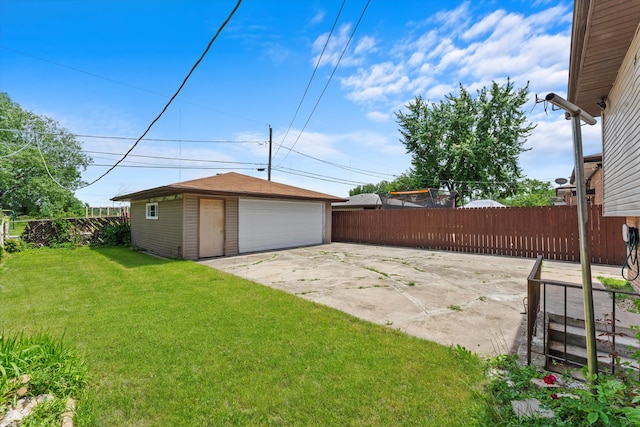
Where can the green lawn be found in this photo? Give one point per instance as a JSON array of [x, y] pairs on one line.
[[17, 227], [174, 343]]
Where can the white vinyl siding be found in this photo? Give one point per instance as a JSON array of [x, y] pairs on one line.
[[274, 224], [621, 138]]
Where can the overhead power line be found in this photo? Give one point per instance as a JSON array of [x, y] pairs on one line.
[[318, 176], [326, 43], [212, 141], [133, 138], [153, 122], [174, 158], [371, 173], [173, 167], [109, 79], [335, 68]]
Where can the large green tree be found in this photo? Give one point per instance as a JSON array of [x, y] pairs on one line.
[[40, 163], [404, 181], [531, 192], [468, 144]]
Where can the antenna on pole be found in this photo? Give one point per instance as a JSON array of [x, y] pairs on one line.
[[576, 115]]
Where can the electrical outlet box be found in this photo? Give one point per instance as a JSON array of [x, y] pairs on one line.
[[625, 232]]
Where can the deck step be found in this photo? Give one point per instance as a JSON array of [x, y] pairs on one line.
[[600, 325], [578, 355], [625, 345]]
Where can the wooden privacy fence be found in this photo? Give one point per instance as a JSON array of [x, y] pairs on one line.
[[82, 230], [550, 231]]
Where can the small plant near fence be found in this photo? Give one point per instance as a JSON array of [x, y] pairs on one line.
[[607, 401], [14, 245], [63, 233], [604, 400], [117, 234]]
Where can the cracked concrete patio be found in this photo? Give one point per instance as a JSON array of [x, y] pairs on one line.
[[476, 301]]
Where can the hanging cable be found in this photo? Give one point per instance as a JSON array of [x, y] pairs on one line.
[[173, 158], [631, 261], [335, 68], [318, 176], [234, 168], [374, 174], [58, 64], [18, 150], [326, 43], [153, 122], [46, 167], [133, 138]]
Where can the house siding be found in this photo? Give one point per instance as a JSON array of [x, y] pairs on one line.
[[328, 215], [191, 225], [162, 236], [621, 138], [231, 225], [190, 241]]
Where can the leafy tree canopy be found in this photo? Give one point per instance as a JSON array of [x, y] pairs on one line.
[[40, 163], [403, 182], [531, 192], [467, 144]]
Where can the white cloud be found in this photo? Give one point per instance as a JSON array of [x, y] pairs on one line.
[[377, 116], [318, 17], [314, 144], [435, 60], [365, 45], [356, 51], [484, 25], [377, 82], [453, 19]]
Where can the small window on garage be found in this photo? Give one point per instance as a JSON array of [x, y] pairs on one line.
[[152, 210]]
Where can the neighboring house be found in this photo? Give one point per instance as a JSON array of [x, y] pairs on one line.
[[359, 202], [593, 179], [227, 214], [417, 199], [604, 80]]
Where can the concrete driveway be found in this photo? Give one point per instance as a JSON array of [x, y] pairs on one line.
[[451, 298]]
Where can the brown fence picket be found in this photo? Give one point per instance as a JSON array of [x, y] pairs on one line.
[[550, 231]]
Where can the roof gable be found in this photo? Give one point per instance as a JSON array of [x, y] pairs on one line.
[[232, 184]]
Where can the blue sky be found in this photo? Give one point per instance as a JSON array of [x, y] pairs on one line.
[[107, 68]]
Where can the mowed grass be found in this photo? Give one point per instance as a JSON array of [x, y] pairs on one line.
[[177, 343]]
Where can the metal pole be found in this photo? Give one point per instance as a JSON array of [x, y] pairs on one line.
[[583, 231], [585, 250], [270, 144]]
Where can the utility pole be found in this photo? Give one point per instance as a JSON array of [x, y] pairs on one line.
[[270, 143], [583, 232]]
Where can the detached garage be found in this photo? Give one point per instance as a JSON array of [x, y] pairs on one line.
[[225, 215]]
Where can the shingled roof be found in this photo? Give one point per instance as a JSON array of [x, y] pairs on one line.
[[231, 184]]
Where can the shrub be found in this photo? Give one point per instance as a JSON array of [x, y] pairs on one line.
[[117, 235], [63, 232], [14, 245]]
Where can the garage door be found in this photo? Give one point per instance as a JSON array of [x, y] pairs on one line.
[[275, 224]]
